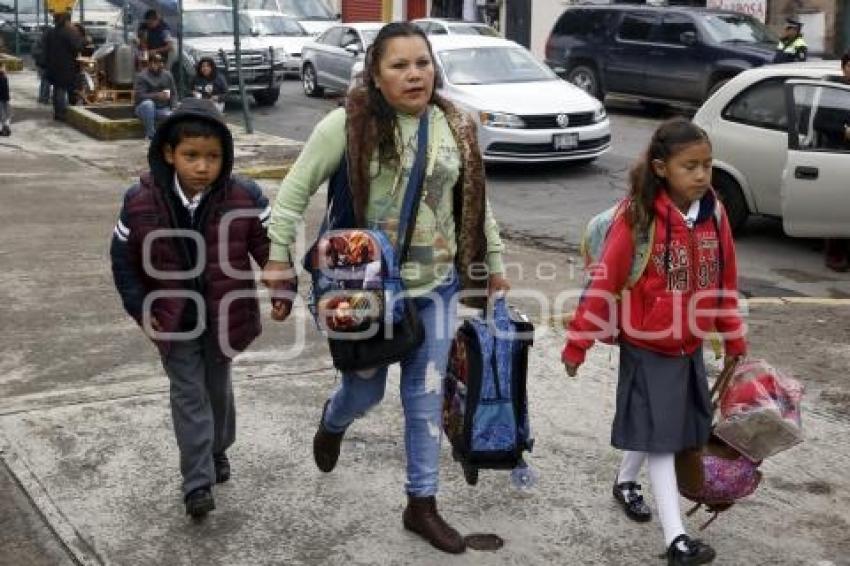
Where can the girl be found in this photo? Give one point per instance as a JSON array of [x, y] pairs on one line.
[[208, 84], [688, 287], [454, 235]]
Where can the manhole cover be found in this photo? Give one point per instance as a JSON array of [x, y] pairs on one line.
[[481, 541]]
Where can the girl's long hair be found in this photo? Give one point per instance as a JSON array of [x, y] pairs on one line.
[[670, 138]]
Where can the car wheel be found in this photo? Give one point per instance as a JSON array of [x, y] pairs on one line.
[[732, 198], [310, 81], [585, 77], [267, 97]]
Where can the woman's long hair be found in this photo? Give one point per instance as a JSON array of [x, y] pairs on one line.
[[671, 137]]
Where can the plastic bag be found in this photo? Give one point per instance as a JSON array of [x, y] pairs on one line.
[[760, 411]]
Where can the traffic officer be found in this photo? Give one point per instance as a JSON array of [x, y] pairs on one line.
[[792, 47]]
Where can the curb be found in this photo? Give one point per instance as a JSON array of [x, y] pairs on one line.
[[274, 172]]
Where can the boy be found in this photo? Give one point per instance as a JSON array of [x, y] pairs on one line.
[[193, 284], [5, 110]]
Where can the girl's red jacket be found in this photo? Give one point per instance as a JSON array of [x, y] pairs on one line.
[[688, 289]]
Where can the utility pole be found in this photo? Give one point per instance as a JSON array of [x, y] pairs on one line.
[[17, 32], [180, 82], [246, 110]]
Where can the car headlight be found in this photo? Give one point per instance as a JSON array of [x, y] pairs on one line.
[[500, 120], [600, 114], [280, 55]]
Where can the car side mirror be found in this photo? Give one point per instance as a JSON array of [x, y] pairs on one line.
[[352, 48], [688, 38], [338, 17]]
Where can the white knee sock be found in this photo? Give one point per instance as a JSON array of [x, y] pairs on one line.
[[662, 475], [631, 465]]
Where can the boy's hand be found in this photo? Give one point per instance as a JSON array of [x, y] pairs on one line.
[[155, 326], [572, 369], [279, 276]]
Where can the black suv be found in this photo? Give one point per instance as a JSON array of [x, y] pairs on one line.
[[680, 54]]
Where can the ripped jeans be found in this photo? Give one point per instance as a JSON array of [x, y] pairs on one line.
[[422, 376]]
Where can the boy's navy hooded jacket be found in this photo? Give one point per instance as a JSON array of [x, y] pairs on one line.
[[230, 219]]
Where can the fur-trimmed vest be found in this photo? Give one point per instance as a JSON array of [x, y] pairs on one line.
[[468, 192]]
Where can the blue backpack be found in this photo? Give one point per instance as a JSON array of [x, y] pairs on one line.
[[485, 405]]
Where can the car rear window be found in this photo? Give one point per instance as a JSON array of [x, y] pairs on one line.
[[635, 27]]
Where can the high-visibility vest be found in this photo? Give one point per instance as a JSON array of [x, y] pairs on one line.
[[793, 51]]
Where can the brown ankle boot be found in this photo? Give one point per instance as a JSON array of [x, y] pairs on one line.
[[326, 445], [422, 518]]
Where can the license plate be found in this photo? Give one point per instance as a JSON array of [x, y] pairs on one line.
[[564, 141]]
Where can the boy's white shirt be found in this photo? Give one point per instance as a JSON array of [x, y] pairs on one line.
[[191, 205], [692, 214]]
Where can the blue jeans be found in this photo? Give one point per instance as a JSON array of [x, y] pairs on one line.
[[422, 376], [148, 113], [43, 88], [60, 102]]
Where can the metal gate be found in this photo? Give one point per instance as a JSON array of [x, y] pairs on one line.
[[362, 11], [518, 20], [416, 9]]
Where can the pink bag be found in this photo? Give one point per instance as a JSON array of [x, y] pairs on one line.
[[760, 411]]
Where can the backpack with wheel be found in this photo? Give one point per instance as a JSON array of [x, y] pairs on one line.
[[485, 406]]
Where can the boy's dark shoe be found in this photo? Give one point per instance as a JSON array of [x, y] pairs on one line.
[[632, 501], [326, 445], [5, 131], [421, 517], [697, 552], [222, 467], [199, 503]]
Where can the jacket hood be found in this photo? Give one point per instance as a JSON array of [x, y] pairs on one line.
[[203, 60], [189, 109]]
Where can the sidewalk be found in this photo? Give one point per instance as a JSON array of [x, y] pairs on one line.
[[85, 425]]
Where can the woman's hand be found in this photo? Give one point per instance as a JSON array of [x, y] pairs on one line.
[[497, 284], [279, 276]]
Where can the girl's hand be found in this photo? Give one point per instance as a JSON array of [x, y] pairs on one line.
[[572, 369], [497, 284]]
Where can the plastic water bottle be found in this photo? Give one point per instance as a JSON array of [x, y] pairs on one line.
[[524, 477]]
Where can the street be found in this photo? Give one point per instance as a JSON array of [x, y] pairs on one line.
[[88, 462], [546, 206]]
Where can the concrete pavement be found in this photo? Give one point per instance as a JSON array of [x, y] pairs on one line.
[[85, 428]]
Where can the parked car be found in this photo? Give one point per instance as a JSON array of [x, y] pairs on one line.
[[208, 32], [656, 54], [313, 15], [772, 159], [442, 26], [99, 17], [327, 62], [279, 32], [523, 111]]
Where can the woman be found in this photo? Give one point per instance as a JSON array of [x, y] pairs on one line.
[[455, 237], [208, 83]]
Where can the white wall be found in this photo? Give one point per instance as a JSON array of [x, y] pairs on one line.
[[544, 14]]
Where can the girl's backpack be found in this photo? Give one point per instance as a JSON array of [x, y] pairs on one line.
[[716, 475], [485, 406]]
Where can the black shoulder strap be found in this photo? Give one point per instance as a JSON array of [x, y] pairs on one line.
[[410, 205]]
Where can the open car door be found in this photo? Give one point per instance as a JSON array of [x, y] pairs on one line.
[[816, 180]]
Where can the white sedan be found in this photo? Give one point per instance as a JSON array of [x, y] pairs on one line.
[[781, 147], [523, 110]]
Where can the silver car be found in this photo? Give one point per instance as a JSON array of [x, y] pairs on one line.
[[441, 26], [327, 62]]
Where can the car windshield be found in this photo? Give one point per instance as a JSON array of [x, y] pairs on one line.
[[473, 29], [199, 23], [493, 65], [278, 25], [306, 9], [732, 28]]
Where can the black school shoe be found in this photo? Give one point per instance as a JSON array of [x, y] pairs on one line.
[[199, 502], [633, 504], [222, 467], [697, 552]]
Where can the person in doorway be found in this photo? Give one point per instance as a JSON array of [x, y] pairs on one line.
[[792, 47], [208, 83], [663, 400], [5, 108], [838, 249], [155, 93], [195, 324], [154, 38], [455, 245], [62, 47]]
